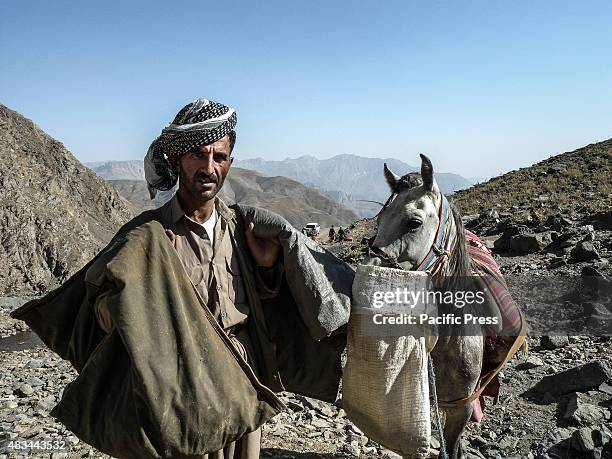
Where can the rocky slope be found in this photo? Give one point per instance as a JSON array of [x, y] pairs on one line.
[[576, 183], [347, 178], [55, 214], [297, 203]]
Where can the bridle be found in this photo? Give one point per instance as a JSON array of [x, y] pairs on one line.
[[440, 251]]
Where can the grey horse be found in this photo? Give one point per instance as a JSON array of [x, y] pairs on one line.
[[408, 228]]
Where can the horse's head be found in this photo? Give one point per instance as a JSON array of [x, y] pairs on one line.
[[407, 225]]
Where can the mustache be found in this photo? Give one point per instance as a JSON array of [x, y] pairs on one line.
[[206, 178]]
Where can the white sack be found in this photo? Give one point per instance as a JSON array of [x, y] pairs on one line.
[[385, 388]]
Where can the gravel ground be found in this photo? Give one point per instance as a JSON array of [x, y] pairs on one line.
[[555, 403]]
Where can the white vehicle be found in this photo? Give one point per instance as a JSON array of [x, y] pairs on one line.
[[311, 229]]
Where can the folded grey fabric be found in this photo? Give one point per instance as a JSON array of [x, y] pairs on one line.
[[320, 282]]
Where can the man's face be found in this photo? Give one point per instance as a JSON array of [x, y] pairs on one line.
[[202, 171]]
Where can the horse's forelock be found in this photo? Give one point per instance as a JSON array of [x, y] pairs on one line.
[[409, 181]]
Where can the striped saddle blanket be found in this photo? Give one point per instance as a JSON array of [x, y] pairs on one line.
[[498, 349]]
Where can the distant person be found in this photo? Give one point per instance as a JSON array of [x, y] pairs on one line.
[[341, 234], [332, 233]]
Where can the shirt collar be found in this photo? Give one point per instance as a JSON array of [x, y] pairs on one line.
[[176, 212]]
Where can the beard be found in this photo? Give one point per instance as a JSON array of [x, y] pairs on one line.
[[201, 186]]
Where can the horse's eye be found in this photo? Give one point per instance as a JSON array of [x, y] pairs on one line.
[[413, 224]]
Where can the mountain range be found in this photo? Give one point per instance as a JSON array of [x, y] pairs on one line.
[[299, 204], [349, 180]]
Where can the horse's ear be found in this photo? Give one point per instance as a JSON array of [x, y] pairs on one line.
[[426, 173], [392, 179]]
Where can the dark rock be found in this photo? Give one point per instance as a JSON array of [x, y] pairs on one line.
[[584, 251], [554, 342], [24, 390], [530, 362], [502, 244], [602, 221], [577, 379], [582, 440], [603, 436], [557, 222], [562, 242], [294, 406], [590, 271], [596, 309], [529, 242], [584, 414]]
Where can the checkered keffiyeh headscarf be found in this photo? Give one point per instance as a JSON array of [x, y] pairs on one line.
[[200, 122]]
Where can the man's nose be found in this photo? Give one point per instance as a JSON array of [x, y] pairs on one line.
[[209, 164]]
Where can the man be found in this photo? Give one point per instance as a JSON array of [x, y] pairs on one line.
[[332, 233], [340, 234], [185, 325], [196, 149]]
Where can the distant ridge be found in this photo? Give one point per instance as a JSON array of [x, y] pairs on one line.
[[347, 178], [118, 170], [297, 203]]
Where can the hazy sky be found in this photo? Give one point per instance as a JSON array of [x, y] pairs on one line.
[[482, 87]]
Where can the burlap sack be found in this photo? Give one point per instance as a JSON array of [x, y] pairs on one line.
[[385, 388]]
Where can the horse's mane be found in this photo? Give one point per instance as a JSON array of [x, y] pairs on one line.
[[459, 263]]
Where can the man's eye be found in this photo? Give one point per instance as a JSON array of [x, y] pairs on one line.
[[220, 157]]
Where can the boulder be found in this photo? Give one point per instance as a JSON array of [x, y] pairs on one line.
[[582, 440], [554, 342], [502, 244], [602, 221], [529, 242], [557, 222], [581, 413], [581, 378], [530, 362], [584, 251]]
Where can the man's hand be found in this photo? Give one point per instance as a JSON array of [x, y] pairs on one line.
[[264, 251]]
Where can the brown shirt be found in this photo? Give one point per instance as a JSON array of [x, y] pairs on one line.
[[212, 266]]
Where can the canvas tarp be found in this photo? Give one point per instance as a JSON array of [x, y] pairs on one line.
[[167, 381]]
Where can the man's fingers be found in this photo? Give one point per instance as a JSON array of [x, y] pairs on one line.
[[250, 235]]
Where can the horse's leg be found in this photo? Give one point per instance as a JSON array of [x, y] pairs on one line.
[[457, 362]]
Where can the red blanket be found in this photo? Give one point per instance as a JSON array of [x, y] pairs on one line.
[[496, 347]]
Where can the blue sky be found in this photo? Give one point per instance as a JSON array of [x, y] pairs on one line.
[[481, 87]]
